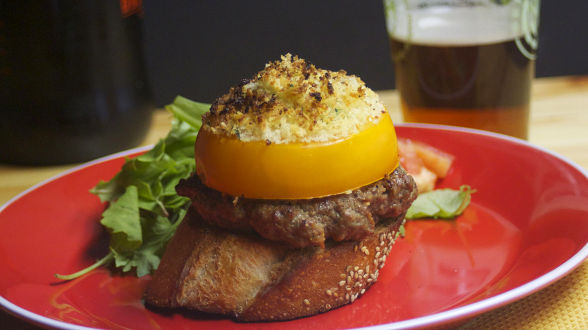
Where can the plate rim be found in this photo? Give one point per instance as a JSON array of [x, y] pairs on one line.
[[445, 317]]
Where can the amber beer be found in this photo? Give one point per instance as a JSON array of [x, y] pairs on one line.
[[480, 86], [465, 63]]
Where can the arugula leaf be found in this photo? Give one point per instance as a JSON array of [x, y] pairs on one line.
[[123, 222], [144, 209], [440, 203], [157, 231], [189, 111]]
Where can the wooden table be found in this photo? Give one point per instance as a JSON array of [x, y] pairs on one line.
[[559, 122]]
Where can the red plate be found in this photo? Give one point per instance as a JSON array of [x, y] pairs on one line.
[[526, 228]]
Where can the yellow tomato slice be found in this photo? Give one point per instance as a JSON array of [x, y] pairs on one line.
[[296, 170]]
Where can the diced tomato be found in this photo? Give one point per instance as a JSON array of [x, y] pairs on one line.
[[425, 163], [437, 161], [408, 157]]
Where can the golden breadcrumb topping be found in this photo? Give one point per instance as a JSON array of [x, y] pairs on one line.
[[293, 101]]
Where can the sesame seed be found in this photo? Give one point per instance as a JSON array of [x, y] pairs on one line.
[[335, 295], [306, 302], [357, 284], [356, 276], [360, 272], [377, 255], [378, 248], [348, 288], [356, 268], [341, 283], [365, 275], [342, 275], [362, 291], [328, 306], [367, 268], [348, 279], [351, 273], [382, 243], [369, 280], [365, 250], [347, 296], [329, 292]]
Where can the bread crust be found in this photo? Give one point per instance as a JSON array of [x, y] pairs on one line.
[[252, 279]]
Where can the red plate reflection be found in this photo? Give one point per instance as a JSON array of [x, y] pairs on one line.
[[526, 227]]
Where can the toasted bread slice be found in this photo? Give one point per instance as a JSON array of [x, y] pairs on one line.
[[252, 279]]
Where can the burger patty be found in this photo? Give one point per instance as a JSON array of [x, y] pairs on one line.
[[306, 222]]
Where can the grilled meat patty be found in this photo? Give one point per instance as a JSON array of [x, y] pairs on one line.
[[307, 222]]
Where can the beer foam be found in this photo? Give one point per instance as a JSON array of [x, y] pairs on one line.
[[455, 26]]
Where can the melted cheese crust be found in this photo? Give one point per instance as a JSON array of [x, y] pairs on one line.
[[292, 101]]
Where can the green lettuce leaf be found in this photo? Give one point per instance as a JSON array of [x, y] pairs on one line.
[[123, 222], [144, 209], [440, 203], [188, 111]]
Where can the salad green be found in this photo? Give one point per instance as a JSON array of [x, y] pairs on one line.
[[144, 209], [440, 203]]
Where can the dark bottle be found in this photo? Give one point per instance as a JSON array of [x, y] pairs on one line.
[[73, 85]]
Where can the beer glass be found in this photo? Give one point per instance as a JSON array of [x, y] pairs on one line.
[[465, 63]]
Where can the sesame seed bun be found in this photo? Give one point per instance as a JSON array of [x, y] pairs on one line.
[[252, 279], [293, 101]]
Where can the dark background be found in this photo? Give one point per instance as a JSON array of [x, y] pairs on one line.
[[199, 49]]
